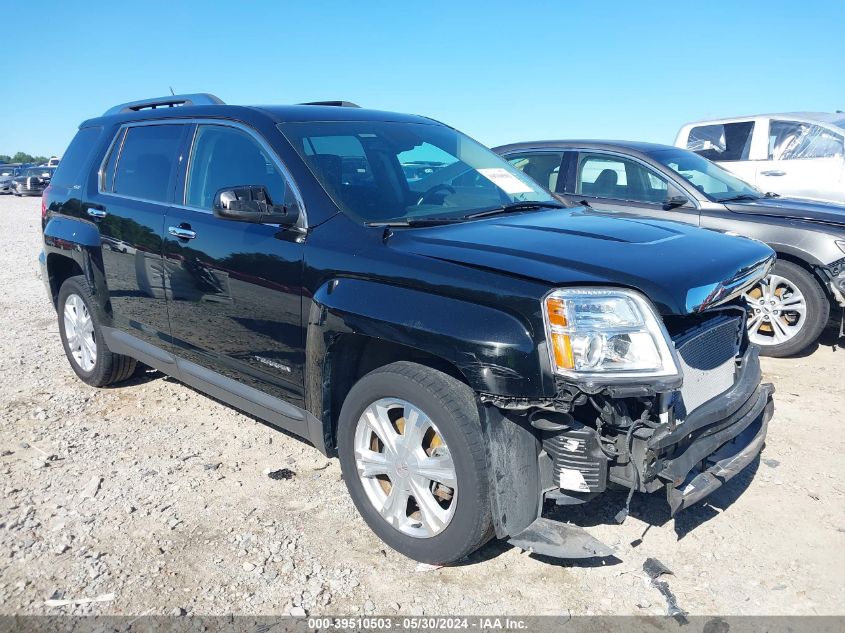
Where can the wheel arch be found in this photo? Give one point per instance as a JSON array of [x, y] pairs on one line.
[[810, 265], [355, 326], [72, 247]]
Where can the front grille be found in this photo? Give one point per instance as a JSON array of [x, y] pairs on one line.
[[578, 463], [707, 356]]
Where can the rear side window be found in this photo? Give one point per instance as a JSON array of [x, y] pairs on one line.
[[544, 167], [722, 141], [792, 140], [145, 165], [75, 159]]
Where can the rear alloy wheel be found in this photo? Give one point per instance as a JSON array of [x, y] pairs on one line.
[[787, 311], [82, 337], [79, 330], [412, 455]]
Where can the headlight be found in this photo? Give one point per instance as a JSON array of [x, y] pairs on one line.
[[611, 334]]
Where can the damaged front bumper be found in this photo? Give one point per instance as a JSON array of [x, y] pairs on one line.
[[572, 457], [689, 458]]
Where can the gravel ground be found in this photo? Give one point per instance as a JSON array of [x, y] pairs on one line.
[[154, 498]]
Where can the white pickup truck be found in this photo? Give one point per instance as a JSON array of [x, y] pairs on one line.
[[799, 154]]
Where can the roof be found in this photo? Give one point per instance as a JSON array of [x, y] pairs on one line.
[[633, 146], [277, 113], [829, 118]]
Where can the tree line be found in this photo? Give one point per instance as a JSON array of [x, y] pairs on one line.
[[23, 157]]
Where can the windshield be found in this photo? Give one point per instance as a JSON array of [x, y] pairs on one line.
[[381, 171], [40, 172], [710, 179]]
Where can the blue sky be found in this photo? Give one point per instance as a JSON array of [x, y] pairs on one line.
[[500, 71]]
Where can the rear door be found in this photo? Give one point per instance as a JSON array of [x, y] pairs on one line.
[[542, 166], [234, 288], [136, 186], [611, 182]]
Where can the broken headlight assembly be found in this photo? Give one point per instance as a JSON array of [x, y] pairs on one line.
[[607, 335]]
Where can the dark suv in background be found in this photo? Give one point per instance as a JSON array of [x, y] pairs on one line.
[[467, 347]]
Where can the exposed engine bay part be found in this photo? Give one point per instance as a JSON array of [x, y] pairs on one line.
[[515, 404]]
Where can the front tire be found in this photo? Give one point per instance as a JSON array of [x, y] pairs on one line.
[[412, 455], [787, 311], [82, 337]]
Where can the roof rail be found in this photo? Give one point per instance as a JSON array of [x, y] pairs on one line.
[[339, 104], [170, 101]]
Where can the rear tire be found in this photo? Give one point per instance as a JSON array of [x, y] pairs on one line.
[[82, 337], [449, 408], [790, 303]]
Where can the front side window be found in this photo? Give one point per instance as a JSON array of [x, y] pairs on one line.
[[791, 140], [145, 165], [722, 141], [226, 158], [710, 179], [390, 171], [605, 176], [543, 167]]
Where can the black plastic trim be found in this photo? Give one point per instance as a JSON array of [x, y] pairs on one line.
[[272, 410]]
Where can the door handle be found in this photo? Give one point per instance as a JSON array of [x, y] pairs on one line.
[[97, 213], [183, 233], [773, 172]]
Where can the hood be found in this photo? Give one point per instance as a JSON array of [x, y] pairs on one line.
[[682, 269], [792, 208]]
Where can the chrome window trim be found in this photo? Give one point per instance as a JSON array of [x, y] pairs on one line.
[[101, 172], [277, 161]]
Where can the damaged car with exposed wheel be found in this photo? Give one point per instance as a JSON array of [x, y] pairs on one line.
[[466, 346]]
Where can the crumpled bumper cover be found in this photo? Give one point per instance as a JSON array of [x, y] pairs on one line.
[[720, 456]]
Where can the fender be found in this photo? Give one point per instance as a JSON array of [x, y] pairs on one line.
[[79, 241], [494, 350], [797, 253]]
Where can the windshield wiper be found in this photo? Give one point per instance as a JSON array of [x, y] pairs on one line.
[[415, 222], [513, 207], [737, 198], [771, 194]]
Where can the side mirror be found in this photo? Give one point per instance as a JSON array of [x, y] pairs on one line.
[[251, 203], [674, 202]]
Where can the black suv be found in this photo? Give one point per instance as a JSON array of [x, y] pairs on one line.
[[467, 347]]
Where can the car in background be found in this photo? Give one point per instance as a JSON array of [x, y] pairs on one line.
[[798, 154], [790, 307], [32, 181], [7, 172], [53, 162]]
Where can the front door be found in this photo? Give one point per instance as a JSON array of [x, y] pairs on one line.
[[804, 160], [135, 189], [609, 182], [234, 288]]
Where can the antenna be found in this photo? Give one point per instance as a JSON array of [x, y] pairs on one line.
[[171, 91]]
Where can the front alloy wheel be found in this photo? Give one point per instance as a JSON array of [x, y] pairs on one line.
[[405, 468], [412, 453], [787, 310]]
